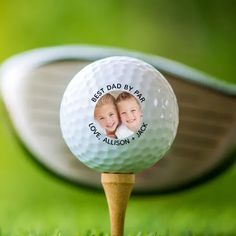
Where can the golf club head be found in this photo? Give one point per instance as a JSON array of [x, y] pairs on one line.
[[32, 85]]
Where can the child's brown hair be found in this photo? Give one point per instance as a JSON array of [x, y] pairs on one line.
[[125, 96]]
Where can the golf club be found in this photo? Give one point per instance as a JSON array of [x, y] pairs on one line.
[[32, 85]]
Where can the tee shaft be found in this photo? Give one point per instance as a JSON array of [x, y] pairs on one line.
[[117, 188]]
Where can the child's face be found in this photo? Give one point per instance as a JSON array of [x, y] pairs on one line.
[[107, 117], [130, 113]]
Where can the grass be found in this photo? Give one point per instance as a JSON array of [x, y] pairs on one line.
[[198, 33], [33, 203]]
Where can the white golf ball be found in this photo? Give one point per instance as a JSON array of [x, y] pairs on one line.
[[119, 115]]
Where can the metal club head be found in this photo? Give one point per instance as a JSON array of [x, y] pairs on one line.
[[32, 85]]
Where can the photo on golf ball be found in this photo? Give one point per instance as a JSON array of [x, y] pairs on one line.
[[118, 114]]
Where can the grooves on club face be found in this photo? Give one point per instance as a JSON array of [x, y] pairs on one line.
[[205, 136]]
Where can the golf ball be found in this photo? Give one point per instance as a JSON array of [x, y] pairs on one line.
[[119, 115]]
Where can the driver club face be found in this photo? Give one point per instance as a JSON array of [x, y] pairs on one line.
[[32, 86]]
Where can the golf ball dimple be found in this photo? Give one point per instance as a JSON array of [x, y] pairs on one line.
[[119, 115]]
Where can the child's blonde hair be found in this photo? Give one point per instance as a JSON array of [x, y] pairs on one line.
[[105, 99]]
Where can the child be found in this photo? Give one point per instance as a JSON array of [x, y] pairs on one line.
[[106, 114], [130, 114]]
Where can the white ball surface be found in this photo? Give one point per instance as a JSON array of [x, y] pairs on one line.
[[142, 148]]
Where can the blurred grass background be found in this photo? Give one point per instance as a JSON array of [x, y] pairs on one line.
[[200, 33]]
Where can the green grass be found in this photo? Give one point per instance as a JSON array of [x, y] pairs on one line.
[[34, 203], [198, 33]]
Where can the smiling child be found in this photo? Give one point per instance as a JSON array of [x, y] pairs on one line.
[[106, 114], [130, 114]]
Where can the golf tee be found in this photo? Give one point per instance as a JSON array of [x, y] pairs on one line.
[[117, 188]]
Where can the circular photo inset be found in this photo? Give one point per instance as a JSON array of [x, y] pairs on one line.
[[118, 114]]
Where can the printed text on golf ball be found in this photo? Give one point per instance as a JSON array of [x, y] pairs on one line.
[[118, 114]]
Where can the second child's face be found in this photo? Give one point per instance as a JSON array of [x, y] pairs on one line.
[[107, 117], [130, 113]]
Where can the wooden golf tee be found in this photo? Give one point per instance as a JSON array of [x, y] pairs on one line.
[[117, 188]]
